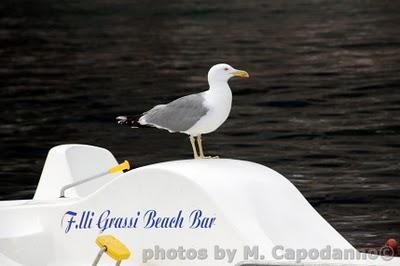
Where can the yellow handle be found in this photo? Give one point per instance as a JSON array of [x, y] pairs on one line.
[[114, 248], [123, 166]]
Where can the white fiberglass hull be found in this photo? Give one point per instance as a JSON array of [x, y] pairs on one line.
[[193, 204]]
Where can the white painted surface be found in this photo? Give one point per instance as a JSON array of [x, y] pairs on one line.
[[253, 205], [5, 261], [66, 164]]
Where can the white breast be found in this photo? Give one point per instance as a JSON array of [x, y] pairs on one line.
[[219, 101]]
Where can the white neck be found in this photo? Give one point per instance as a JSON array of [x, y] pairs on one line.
[[218, 85], [220, 93]]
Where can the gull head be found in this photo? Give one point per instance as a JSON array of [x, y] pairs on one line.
[[223, 72]]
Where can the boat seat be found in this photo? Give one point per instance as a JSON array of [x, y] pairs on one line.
[[66, 164]]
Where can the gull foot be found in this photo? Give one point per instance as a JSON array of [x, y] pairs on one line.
[[209, 157]]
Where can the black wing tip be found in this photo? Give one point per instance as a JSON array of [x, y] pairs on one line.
[[122, 119], [125, 120], [129, 121]]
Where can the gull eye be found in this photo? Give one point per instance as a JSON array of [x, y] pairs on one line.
[[226, 69]]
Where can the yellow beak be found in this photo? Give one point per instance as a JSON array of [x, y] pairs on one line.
[[241, 73]]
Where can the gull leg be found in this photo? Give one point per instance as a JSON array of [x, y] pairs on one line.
[[201, 152], [200, 142], [193, 142]]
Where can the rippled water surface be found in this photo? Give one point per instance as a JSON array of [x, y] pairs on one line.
[[322, 105]]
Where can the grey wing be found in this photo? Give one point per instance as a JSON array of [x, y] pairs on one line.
[[178, 115]]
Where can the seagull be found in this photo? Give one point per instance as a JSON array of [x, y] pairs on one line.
[[194, 114]]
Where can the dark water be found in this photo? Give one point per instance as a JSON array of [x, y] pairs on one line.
[[322, 105]]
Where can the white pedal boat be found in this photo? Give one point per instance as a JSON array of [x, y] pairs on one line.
[[194, 204]]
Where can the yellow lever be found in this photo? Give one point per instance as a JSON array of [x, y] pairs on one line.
[[113, 247], [123, 166]]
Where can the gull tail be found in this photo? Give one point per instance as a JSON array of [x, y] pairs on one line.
[[131, 121]]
